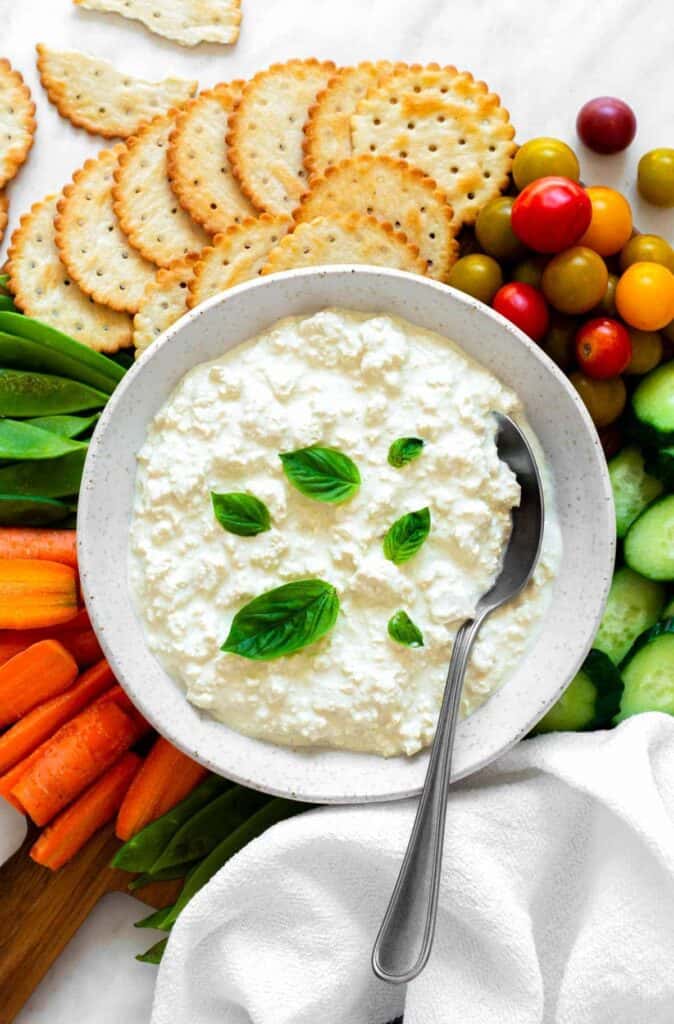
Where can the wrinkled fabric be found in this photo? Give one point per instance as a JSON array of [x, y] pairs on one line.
[[556, 906]]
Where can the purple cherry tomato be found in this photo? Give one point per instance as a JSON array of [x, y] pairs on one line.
[[606, 124]]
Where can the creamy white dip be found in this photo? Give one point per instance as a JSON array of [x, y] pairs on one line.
[[356, 383]]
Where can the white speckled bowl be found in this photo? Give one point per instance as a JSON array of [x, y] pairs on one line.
[[583, 498]]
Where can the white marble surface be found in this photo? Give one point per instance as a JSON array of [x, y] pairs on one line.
[[544, 57]]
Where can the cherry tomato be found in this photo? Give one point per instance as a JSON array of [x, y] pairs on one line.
[[575, 280], [603, 348], [668, 332], [539, 158], [560, 340], [647, 249], [655, 177], [611, 438], [611, 225], [645, 296], [551, 214], [524, 306], [605, 399], [606, 124], [530, 271], [477, 275], [646, 351], [494, 231], [606, 305]]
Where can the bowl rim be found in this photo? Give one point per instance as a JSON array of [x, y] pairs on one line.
[[86, 550]]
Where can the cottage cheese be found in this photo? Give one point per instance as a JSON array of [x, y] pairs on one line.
[[356, 383]]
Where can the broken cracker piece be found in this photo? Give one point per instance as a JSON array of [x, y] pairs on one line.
[[198, 165], [447, 124], [164, 301], [43, 288], [148, 211], [187, 22], [392, 191], [17, 121], [93, 95], [236, 255], [350, 238], [92, 245], [4, 212], [266, 132]]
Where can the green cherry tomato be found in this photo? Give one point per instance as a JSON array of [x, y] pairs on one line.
[[647, 249], [575, 280], [646, 351], [477, 275], [656, 177], [605, 399], [560, 340], [539, 158], [530, 271], [494, 230], [606, 305]]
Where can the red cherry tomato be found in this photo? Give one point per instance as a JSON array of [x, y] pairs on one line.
[[524, 306], [603, 348], [551, 214], [606, 124]]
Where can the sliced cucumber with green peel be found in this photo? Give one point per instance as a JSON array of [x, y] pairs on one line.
[[648, 673], [590, 701], [662, 466], [634, 604], [653, 406], [649, 544], [633, 488]]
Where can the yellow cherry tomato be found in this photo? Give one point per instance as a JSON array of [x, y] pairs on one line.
[[611, 225], [644, 296], [605, 399]]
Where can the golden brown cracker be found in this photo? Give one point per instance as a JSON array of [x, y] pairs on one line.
[[187, 22], [164, 301], [4, 213], [17, 121]]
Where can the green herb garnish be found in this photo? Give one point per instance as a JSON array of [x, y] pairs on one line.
[[324, 474], [403, 630], [240, 513], [407, 535], [404, 450], [283, 620]]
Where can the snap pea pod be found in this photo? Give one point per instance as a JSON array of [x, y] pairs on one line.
[[30, 510], [20, 441], [65, 426], [169, 875], [142, 850], [6, 304], [154, 954], [210, 826], [59, 353], [24, 393], [53, 478]]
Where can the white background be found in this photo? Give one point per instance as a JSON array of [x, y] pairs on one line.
[[544, 57]]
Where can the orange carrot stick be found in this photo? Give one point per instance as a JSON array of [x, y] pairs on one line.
[[83, 646], [68, 833], [54, 545], [40, 672], [80, 640], [166, 778], [11, 778], [36, 593], [74, 758], [43, 721]]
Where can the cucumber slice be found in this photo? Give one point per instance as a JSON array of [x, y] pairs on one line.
[[56, 352], [648, 673], [634, 604], [590, 701], [649, 544], [653, 405], [633, 488], [662, 466], [31, 511]]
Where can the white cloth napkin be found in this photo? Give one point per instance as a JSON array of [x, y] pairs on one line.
[[556, 907]]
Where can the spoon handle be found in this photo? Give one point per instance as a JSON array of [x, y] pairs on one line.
[[404, 942]]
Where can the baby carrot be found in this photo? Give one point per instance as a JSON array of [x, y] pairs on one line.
[[36, 593], [35, 675], [54, 545]]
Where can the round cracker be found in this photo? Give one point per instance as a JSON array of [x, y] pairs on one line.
[[187, 22], [92, 94], [148, 211], [350, 238], [4, 213], [17, 121], [236, 255], [392, 191], [164, 301], [198, 165], [266, 132], [43, 288], [447, 124], [93, 247]]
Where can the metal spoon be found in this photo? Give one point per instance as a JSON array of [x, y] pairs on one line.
[[405, 938]]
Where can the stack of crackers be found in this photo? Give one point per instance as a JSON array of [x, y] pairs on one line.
[[306, 164]]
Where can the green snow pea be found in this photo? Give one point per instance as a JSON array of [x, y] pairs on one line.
[[26, 393], [154, 954], [64, 426], [56, 352], [21, 441], [28, 510], [53, 478]]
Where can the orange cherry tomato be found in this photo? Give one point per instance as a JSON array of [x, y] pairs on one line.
[[644, 296], [611, 225]]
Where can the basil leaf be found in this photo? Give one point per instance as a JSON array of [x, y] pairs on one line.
[[240, 513], [403, 631], [407, 535], [283, 620], [325, 474], [404, 450]]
